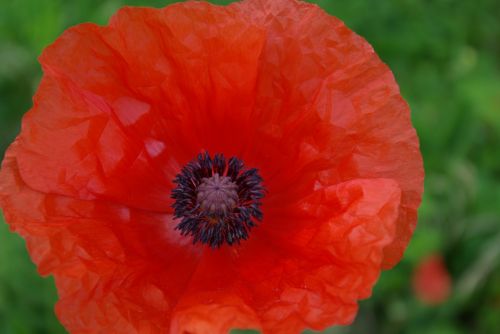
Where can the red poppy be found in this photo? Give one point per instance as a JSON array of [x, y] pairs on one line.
[[114, 185], [431, 281]]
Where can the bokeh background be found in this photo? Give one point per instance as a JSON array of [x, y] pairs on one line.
[[445, 55]]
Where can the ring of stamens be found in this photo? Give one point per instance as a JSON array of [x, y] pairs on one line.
[[217, 202]]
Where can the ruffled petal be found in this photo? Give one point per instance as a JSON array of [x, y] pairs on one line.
[[72, 145], [206, 60], [197, 313], [125, 270], [329, 111], [374, 139], [117, 269], [110, 123], [311, 273]]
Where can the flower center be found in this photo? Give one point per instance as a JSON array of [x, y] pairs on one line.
[[217, 194], [217, 202]]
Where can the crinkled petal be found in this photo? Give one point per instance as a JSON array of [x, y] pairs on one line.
[[197, 313], [121, 108], [311, 273], [329, 111], [124, 270], [117, 269]]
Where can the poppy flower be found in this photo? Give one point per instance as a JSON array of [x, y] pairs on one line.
[[431, 281], [198, 168]]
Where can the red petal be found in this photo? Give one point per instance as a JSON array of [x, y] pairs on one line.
[[72, 145], [196, 314], [307, 272], [329, 111], [117, 269], [110, 123]]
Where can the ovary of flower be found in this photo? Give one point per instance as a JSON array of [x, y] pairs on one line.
[[217, 194]]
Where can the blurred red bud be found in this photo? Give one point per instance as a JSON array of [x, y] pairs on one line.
[[431, 281]]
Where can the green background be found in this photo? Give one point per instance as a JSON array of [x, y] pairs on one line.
[[445, 55]]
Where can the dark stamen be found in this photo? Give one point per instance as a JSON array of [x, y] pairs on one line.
[[217, 202]]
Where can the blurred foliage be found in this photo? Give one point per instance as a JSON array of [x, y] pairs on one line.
[[445, 55]]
